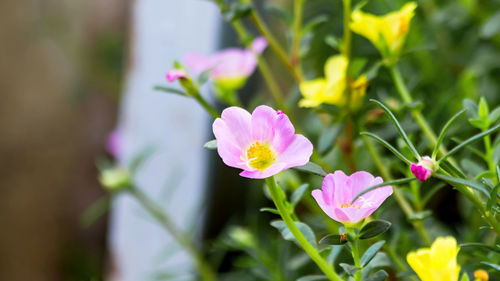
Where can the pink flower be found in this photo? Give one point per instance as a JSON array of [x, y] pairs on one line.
[[175, 74], [337, 193], [261, 144], [114, 144], [230, 67], [423, 169]]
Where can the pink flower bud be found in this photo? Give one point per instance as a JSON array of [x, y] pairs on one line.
[[175, 74], [424, 168]]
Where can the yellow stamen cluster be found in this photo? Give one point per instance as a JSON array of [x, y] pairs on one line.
[[260, 156], [347, 205]]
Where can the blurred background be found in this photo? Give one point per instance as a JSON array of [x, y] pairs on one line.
[[66, 65]]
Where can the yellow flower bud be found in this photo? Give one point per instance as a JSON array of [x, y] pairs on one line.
[[481, 274]]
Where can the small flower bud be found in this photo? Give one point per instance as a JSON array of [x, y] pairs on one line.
[[481, 275], [242, 236], [114, 179], [175, 74], [424, 168]]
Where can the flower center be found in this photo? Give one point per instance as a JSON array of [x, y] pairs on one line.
[[259, 156], [347, 205]]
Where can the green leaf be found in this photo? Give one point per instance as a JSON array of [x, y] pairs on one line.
[[334, 254], [298, 193], [380, 275], [490, 27], [465, 277], [212, 145], [237, 10], [483, 111], [204, 76], [443, 133], [349, 269], [287, 234], [420, 216], [372, 72], [494, 115], [468, 141], [371, 252], [313, 23], [169, 90], [450, 168], [333, 42], [480, 245], [312, 278], [95, 211], [270, 210], [493, 196], [479, 123], [312, 168], [470, 108], [388, 146], [399, 128], [141, 158], [494, 266], [333, 239], [374, 228], [328, 137], [392, 182], [473, 185], [278, 12]]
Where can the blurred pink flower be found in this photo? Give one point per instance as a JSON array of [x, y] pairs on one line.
[[262, 144], [175, 74], [337, 193], [230, 67], [423, 169], [114, 144]]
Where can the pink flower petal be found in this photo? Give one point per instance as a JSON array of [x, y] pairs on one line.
[[338, 190], [175, 74], [237, 126], [114, 144], [284, 132], [198, 63], [270, 171], [263, 121], [259, 44], [297, 153]]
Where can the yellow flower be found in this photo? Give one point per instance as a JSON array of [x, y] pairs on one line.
[[386, 32], [331, 88], [437, 263]]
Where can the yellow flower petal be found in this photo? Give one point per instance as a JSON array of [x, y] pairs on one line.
[[335, 69], [386, 32], [437, 263], [312, 91]]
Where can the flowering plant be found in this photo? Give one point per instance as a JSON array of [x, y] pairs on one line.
[[344, 161]]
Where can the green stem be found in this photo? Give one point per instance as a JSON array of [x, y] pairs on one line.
[[398, 195], [273, 43], [206, 105], [346, 50], [298, 6], [355, 257], [405, 95], [156, 211], [488, 157], [486, 214], [279, 201], [262, 66]]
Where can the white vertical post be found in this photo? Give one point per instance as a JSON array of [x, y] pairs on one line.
[[162, 31]]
